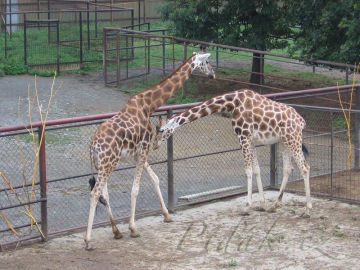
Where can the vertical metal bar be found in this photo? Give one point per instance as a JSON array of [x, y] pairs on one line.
[[132, 38], [127, 56], [96, 20], [105, 56], [58, 47], [148, 59], [170, 169], [10, 19], [313, 68], [347, 75], [42, 171], [48, 16], [5, 33], [25, 41], [357, 129], [139, 13], [163, 52], [331, 152], [81, 38], [88, 25], [118, 59], [273, 165], [217, 57]]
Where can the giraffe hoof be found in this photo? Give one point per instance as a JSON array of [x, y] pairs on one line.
[[167, 219], [118, 235], [271, 210], [259, 209], [244, 213], [134, 235], [305, 215]]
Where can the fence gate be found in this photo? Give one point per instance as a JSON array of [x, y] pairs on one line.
[[49, 51]]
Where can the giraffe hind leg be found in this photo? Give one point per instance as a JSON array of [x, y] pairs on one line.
[[92, 182]]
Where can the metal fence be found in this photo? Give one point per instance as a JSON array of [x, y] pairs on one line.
[[201, 157], [157, 54], [79, 34]]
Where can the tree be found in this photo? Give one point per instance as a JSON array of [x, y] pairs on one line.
[[254, 24], [328, 30]]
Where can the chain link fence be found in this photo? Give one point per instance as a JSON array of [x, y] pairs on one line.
[[204, 157]]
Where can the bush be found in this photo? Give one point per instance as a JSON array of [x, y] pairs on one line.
[[2, 67], [14, 67]]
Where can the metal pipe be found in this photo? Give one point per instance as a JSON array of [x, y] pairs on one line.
[[170, 169], [42, 171]]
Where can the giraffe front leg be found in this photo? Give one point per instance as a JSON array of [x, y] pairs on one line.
[[246, 210], [155, 181], [134, 194], [256, 168]]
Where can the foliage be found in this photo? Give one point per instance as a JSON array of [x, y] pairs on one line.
[[14, 66], [43, 73], [328, 30], [244, 23], [258, 24], [2, 67]]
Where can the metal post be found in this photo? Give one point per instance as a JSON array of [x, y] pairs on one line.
[[127, 56], [357, 129], [139, 13], [81, 38], [148, 59], [331, 152], [170, 169], [25, 42], [48, 16], [88, 25], [163, 52], [273, 165], [105, 56], [96, 20], [313, 68], [42, 171], [58, 47], [10, 18], [347, 75], [5, 33], [217, 57], [118, 59]]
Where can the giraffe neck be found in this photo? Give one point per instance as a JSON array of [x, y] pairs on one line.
[[160, 93], [213, 105]]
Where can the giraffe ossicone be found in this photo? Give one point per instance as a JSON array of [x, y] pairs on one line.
[[127, 137], [255, 120]]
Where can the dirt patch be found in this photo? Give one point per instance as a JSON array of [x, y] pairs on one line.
[[212, 236]]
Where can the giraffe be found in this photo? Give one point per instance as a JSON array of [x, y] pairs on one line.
[[255, 120], [127, 136]]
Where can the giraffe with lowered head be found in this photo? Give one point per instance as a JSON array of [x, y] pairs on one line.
[[255, 120], [127, 136]]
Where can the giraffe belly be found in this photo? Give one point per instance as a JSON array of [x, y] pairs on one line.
[[258, 139]]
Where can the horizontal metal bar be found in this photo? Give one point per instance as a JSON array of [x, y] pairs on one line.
[[23, 204], [17, 187], [19, 227]]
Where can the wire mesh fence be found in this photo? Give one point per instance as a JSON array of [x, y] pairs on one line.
[[156, 55], [205, 158], [78, 35]]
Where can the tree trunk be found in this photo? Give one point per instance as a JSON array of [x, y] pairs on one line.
[[257, 70]]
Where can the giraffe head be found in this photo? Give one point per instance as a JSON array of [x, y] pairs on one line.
[[164, 131], [200, 62]]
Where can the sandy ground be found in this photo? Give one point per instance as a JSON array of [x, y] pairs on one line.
[[212, 236]]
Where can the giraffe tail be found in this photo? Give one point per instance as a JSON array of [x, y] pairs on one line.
[[305, 150], [92, 182]]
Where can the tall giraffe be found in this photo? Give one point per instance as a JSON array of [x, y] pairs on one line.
[[127, 136], [255, 120]]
